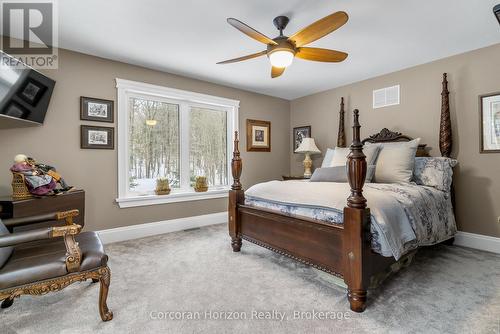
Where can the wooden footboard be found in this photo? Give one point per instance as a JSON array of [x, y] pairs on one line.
[[311, 242]]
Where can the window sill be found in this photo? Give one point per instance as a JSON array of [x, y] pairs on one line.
[[174, 197]]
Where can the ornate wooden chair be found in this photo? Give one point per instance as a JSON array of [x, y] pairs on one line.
[[42, 260]]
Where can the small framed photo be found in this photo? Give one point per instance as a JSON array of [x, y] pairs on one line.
[[300, 133], [31, 91], [258, 136], [100, 137], [16, 110], [98, 110], [489, 109]]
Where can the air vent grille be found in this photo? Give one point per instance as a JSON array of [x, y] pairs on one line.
[[385, 97]]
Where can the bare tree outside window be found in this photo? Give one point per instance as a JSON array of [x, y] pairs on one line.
[[153, 144], [208, 145]]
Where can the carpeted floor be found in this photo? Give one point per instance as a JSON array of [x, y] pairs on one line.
[[445, 290]]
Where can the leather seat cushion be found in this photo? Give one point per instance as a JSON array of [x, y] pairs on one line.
[[45, 259], [5, 252]]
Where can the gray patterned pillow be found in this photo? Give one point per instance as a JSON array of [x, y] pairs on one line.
[[338, 174], [434, 172]]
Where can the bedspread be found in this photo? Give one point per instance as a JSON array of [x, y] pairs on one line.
[[403, 216]]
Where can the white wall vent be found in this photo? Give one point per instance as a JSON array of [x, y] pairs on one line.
[[385, 97]]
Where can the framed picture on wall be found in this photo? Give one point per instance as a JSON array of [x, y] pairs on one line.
[[31, 91], [99, 137], [16, 110], [300, 133], [98, 110], [258, 136], [489, 109]]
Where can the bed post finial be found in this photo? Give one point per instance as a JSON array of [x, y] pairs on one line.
[[236, 164], [356, 239], [445, 138], [341, 133], [236, 197], [356, 165]]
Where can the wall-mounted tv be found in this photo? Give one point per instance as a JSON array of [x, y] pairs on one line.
[[24, 93]]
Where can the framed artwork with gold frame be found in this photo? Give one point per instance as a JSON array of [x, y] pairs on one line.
[[489, 109], [258, 136]]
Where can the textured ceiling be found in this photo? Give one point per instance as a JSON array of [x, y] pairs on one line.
[[188, 37]]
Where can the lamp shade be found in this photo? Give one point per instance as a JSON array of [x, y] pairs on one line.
[[307, 146]]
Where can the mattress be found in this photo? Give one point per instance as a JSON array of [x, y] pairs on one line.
[[403, 216]]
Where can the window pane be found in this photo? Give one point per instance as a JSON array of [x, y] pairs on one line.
[[154, 144], [208, 149]]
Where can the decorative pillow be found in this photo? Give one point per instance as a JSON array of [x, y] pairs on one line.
[[328, 157], [434, 172], [338, 174], [339, 156], [4, 251], [395, 161]]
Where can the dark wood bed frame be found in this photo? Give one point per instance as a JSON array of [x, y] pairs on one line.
[[343, 250]]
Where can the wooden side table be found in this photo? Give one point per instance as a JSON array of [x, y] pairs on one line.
[[71, 200], [294, 177]]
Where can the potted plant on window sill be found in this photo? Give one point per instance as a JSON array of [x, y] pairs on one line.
[[162, 186], [201, 184]]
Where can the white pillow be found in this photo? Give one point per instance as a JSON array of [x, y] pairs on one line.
[[328, 157], [395, 161], [339, 157]]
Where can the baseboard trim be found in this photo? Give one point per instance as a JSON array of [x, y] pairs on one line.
[[161, 227], [478, 241], [464, 239]]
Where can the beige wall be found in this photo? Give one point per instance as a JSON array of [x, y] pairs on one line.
[[58, 140], [477, 178]]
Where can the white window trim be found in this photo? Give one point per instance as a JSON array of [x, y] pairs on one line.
[[126, 88]]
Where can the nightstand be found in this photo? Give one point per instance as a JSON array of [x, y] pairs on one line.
[[291, 177]]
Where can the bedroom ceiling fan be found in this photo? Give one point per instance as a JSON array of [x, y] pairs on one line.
[[282, 49]]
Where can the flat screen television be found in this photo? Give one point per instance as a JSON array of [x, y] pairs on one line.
[[24, 93]]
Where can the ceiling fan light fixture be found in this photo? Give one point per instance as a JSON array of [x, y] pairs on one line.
[[281, 58], [282, 49]]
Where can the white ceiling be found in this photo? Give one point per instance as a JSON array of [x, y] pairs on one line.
[[188, 37]]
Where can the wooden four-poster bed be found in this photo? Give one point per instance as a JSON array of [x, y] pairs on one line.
[[343, 250]]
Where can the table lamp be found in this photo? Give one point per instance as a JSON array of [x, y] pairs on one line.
[[308, 147]]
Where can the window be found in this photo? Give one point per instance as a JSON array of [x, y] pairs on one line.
[[208, 145], [172, 134]]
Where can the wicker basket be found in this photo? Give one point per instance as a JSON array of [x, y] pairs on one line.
[[19, 187]]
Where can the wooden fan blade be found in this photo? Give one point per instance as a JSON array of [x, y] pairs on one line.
[[234, 60], [277, 71], [319, 29], [317, 54], [247, 30]]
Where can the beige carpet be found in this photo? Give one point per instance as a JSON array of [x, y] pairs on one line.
[[445, 290]]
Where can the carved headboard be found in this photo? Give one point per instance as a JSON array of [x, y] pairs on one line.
[[385, 135]]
